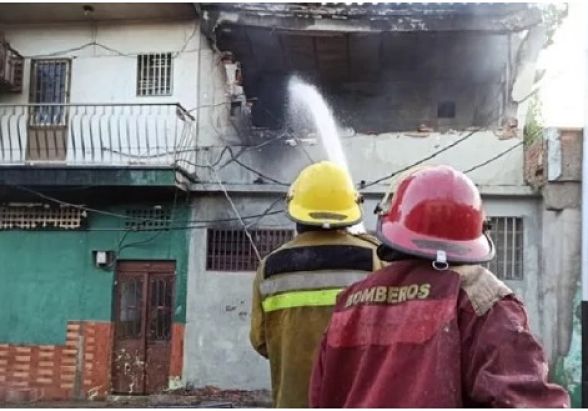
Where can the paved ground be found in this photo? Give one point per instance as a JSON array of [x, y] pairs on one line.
[[208, 397]]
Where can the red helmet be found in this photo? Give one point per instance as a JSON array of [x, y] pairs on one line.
[[436, 210]]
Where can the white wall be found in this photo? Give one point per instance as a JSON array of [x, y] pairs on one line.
[[107, 74], [102, 76]]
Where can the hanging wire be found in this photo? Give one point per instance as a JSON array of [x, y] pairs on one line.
[[228, 197]]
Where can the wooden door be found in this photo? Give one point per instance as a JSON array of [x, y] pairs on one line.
[[144, 304]]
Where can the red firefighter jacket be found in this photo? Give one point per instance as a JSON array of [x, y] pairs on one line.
[[411, 336]]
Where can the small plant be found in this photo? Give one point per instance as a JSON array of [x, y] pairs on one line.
[[533, 129]]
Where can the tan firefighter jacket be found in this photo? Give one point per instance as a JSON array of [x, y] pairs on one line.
[[293, 296]]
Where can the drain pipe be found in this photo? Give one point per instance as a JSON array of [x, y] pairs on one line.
[[585, 227]]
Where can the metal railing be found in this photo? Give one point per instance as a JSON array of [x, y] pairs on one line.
[[11, 68], [96, 134]]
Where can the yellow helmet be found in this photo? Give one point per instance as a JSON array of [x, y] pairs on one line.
[[323, 195]]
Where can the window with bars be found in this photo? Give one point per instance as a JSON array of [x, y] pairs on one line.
[[231, 250], [49, 84], [507, 235], [154, 74], [39, 217], [144, 218]]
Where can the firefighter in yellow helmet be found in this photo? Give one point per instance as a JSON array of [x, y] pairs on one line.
[[296, 285]]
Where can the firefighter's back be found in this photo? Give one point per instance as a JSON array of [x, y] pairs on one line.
[[298, 291]]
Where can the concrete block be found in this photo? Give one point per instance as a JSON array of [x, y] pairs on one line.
[[562, 195]]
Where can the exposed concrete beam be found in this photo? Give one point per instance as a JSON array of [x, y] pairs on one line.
[[407, 19], [374, 191]]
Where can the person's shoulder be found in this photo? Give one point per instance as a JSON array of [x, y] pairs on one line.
[[366, 239], [287, 245], [481, 286]]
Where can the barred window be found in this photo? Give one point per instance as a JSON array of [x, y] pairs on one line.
[[154, 74], [146, 218], [231, 250], [40, 216], [507, 235], [50, 85]]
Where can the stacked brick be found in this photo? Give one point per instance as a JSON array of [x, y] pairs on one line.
[[77, 369]]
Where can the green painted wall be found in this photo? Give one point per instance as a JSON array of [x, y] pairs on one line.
[[49, 277]]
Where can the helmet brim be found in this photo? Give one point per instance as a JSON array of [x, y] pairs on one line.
[[398, 237], [339, 218]]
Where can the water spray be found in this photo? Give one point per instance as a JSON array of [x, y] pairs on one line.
[[307, 96]]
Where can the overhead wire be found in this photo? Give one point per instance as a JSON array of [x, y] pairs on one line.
[[421, 161], [260, 174], [236, 211], [494, 158], [267, 210], [65, 203], [126, 217], [94, 43]]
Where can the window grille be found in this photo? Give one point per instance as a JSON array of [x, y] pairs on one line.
[[39, 216], [507, 235], [154, 74], [49, 84], [230, 249], [145, 218]]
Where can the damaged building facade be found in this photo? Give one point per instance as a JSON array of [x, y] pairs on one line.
[[163, 130], [407, 84]]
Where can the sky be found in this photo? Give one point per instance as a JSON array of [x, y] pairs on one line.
[[563, 92]]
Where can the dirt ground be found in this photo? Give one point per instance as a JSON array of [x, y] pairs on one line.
[[208, 397]]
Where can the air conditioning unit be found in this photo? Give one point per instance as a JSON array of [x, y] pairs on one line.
[[11, 68]]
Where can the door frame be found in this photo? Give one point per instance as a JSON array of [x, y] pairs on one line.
[[142, 268]]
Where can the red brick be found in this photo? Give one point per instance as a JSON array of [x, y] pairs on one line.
[[177, 350]]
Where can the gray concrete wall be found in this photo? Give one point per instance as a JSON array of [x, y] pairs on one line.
[[217, 350], [374, 156], [559, 278]]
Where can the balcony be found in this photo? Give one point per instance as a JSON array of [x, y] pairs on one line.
[[11, 68], [104, 138]]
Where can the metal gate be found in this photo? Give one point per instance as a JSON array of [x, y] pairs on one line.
[[144, 303]]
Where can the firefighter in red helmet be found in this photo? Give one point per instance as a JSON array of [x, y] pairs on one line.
[[434, 328]]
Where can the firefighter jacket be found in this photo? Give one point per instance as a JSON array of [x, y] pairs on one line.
[[410, 336], [293, 296]]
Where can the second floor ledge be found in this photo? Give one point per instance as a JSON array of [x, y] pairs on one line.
[[97, 134]]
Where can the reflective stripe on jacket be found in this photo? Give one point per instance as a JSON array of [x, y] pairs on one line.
[[294, 292], [409, 336]]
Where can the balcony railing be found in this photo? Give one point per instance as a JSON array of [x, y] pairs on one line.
[[96, 134], [11, 68]]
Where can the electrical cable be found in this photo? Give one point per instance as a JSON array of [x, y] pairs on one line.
[[226, 193], [136, 243], [496, 157], [421, 161], [238, 162], [65, 203], [245, 166], [126, 217], [266, 211], [181, 50]]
